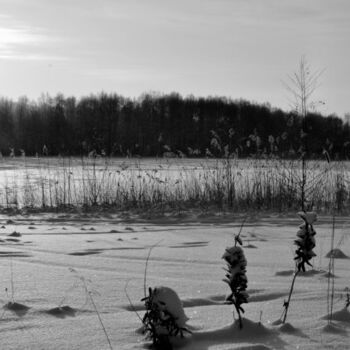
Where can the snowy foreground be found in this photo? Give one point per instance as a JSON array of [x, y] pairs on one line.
[[61, 265]]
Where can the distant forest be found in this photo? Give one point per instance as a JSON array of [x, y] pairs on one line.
[[163, 125]]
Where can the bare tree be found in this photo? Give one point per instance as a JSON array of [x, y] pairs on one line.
[[301, 85]]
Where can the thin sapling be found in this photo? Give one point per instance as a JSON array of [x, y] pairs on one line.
[[305, 243], [330, 277]]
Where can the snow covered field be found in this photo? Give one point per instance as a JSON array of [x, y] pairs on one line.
[[62, 260]]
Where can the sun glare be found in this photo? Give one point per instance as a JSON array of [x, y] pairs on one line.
[[10, 37]]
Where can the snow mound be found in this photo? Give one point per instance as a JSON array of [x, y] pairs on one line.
[[197, 302], [341, 316], [253, 335], [329, 275], [259, 297], [17, 308], [308, 273], [167, 299], [62, 311], [250, 246], [15, 234], [284, 273], [334, 329], [277, 322], [336, 254], [254, 347], [233, 332], [287, 328]]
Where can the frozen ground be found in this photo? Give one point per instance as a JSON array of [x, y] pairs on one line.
[[56, 254]]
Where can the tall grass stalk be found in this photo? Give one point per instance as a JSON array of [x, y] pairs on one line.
[[12, 282], [330, 279], [305, 243], [88, 293]]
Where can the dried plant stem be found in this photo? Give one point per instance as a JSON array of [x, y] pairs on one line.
[[146, 266], [286, 303], [303, 182], [99, 318], [12, 282], [330, 280], [239, 317], [89, 293], [241, 228], [130, 302]]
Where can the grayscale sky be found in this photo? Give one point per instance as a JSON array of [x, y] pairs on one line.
[[234, 48]]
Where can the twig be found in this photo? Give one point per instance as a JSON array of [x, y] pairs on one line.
[[237, 239], [242, 225], [332, 295], [286, 303], [330, 279], [146, 265], [130, 302], [89, 293], [99, 317], [12, 283]]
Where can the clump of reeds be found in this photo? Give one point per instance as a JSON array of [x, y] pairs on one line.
[[225, 184]]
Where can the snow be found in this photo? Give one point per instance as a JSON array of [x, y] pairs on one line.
[[167, 299], [61, 260]]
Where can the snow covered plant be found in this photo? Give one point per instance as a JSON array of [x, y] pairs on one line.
[[164, 316], [236, 277], [305, 243]]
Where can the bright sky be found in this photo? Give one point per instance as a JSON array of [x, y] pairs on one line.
[[234, 48]]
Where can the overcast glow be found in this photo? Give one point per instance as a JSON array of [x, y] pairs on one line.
[[234, 48]]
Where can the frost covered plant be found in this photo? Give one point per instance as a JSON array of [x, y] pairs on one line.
[[164, 316], [305, 243], [236, 277]]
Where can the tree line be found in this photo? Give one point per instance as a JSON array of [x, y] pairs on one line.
[[164, 125]]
